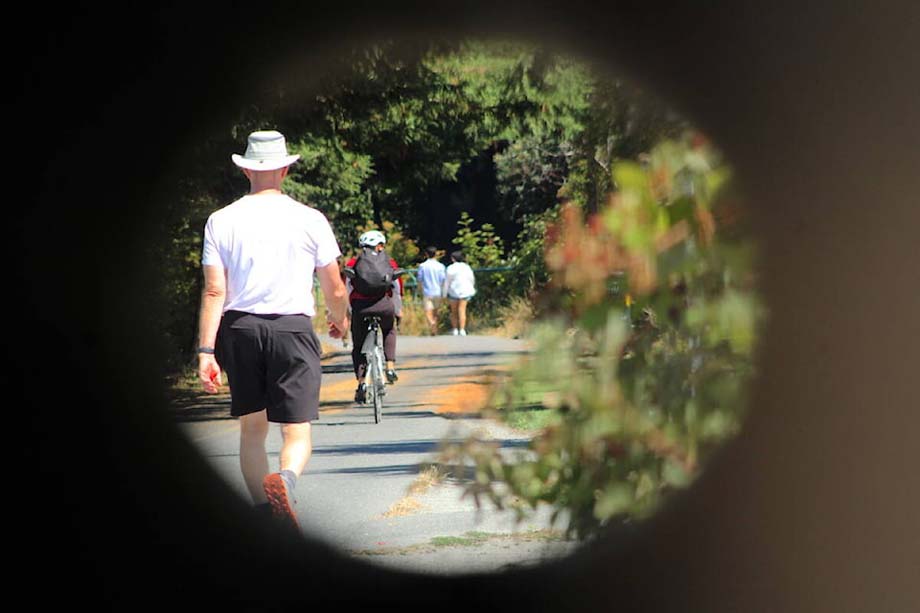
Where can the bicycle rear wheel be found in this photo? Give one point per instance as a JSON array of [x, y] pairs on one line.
[[376, 385], [378, 407]]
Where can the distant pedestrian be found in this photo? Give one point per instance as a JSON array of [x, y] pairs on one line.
[[430, 275], [256, 318], [459, 287]]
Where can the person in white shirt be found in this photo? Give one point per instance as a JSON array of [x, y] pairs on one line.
[[430, 276], [459, 287], [255, 322]]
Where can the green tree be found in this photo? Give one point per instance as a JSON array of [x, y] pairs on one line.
[[384, 126], [483, 249], [333, 179], [531, 274], [622, 124], [402, 126]]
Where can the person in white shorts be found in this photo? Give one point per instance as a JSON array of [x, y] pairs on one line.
[[430, 276], [459, 287], [255, 322]]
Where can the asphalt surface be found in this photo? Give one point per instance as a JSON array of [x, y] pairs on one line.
[[357, 492]]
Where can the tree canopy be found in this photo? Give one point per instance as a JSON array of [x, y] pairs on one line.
[[417, 136]]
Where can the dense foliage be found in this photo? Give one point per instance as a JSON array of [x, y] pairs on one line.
[[439, 141], [644, 350]]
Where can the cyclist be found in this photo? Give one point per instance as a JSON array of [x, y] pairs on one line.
[[387, 306]]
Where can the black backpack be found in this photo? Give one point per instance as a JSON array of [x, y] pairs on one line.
[[373, 272]]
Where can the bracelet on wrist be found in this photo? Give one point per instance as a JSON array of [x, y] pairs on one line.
[[208, 350]]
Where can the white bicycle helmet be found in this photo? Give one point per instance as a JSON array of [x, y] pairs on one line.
[[372, 238]]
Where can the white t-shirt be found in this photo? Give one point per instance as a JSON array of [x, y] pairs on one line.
[[269, 246], [460, 282]]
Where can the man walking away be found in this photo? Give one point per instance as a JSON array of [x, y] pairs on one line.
[[255, 322], [430, 277]]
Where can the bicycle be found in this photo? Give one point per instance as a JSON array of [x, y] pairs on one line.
[[375, 382], [374, 378]]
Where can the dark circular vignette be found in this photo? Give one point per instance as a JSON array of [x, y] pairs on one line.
[[809, 509]]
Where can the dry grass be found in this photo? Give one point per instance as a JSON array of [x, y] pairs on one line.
[[403, 507], [515, 319], [468, 539], [429, 477], [413, 321]]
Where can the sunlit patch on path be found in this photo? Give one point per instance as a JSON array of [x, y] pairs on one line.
[[468, 394], [337, 396]]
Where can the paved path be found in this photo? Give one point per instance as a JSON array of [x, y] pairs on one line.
[[355, 493]]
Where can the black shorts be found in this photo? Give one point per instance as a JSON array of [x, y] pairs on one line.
[[272, 362]]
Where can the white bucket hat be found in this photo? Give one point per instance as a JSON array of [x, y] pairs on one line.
[[266, 150]]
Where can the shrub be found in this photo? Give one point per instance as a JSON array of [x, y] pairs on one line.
[[643, 350]]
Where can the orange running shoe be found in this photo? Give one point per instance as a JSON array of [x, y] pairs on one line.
[[280, 499]]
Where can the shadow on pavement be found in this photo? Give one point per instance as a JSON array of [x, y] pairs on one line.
[[422, 446], [393, 469], [442, 366], [461, 356], [331, 369], [189, 406]]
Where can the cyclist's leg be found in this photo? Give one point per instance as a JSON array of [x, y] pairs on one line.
[[389, 341], [358, 334], [390, 333], [385, 310]]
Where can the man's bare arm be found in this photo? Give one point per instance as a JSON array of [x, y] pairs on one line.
[[330, 281], [212, 303]]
